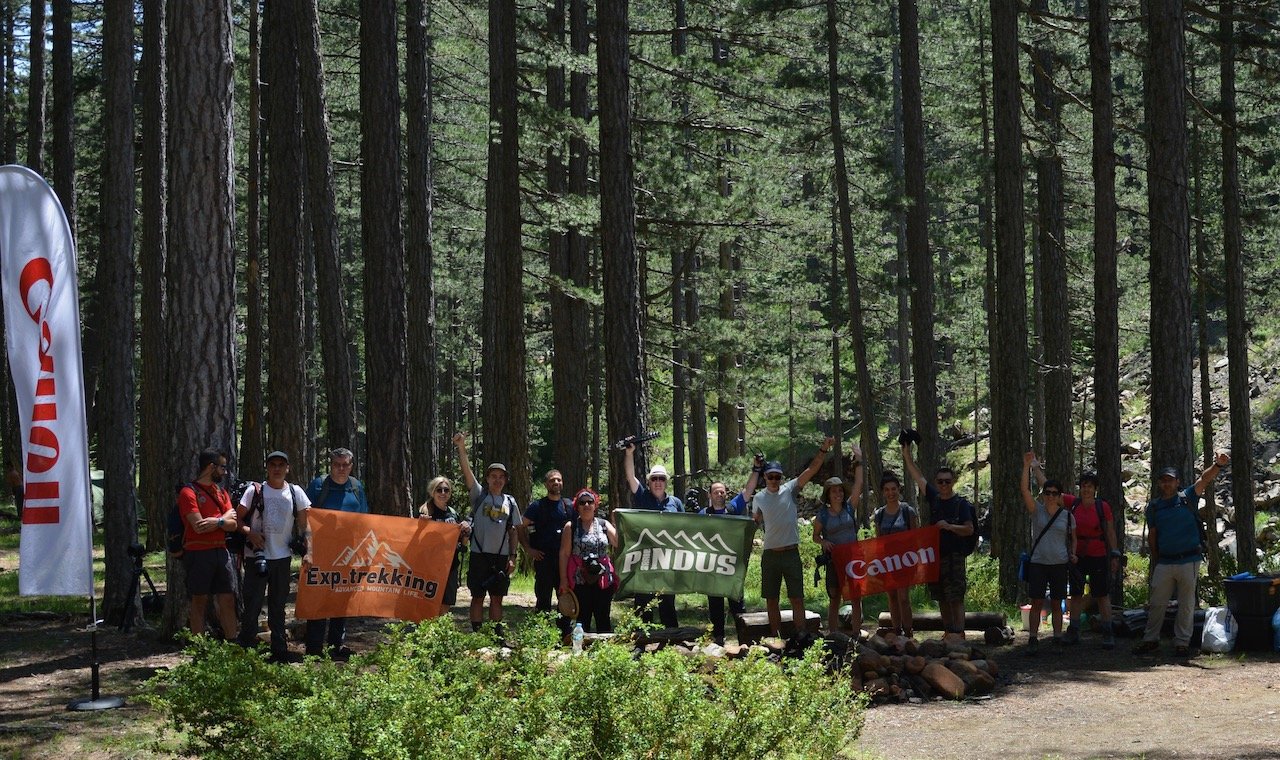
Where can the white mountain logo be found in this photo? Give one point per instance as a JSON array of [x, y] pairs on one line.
[[369, 552], [682, 540]]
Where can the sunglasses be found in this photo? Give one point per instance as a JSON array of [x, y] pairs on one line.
[[443, 489], [663, 478], [773, 476], [1052, 493], [944, 481], [586, 502]]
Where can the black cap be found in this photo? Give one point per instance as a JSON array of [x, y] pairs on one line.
[[1168, 472], [277, 455]]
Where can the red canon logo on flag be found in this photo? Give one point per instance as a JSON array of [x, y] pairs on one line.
[[42, 495]]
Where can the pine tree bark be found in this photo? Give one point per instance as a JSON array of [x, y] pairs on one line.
[[419, 199], [1238, 380], [1172, 442], [252, 429], [505, 413], [117, 277], [626, 397], [901, 266], [1009, 357], [282, 345], [202, 297], [11, 87], [35, 90], [1053, 266], [1208, 504], [869, 426], [63, 116], [331, 296], [1106, 293], [385, 308], [919, 258]]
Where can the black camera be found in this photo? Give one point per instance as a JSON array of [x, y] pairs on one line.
[[298, 545], [137, 550], [822, 560], [592, 568], [259, 562], [495, 580], [692, 499]]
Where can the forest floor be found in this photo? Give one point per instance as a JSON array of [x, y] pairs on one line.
[[1069, 702]]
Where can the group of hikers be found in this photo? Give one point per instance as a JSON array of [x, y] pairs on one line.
[[1073, 544]]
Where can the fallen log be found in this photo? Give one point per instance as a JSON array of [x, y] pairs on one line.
[[932, 621]]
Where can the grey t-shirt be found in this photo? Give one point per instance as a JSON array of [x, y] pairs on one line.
[[1053, 548], [491, 516], [779, 511]]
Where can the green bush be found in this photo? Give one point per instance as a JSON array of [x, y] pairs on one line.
[[432, 691]]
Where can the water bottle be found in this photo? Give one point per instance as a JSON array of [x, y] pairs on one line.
[[577, 638], [1275, 631]]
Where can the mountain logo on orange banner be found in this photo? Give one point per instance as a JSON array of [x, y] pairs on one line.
[[369, 552]]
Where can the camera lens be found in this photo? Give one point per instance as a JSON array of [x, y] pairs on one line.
[[260, 564]]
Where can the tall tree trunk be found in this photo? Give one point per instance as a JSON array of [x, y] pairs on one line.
[[385, 308], [1053, 266], [1170, 324], [153, 430], [282, 346], [1238, 380], [1009, 357], [202, 275], [36, 89], [252, 429], [331, 296], [11, 87], [901, 266], [917, 238], [626, 397], [419, 198], [63, 115], [869, 426], [117, 277], [1208, 506], [679, 375], [505, 413], [1106, 293], [986, 241]]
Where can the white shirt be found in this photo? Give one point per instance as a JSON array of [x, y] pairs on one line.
[[779, 511], [276, 521]]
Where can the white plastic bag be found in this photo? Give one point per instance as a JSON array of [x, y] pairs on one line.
[[1219, 630]]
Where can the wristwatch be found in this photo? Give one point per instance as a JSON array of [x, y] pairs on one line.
[[221, 522]]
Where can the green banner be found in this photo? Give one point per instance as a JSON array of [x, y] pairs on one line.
[[678, 553]]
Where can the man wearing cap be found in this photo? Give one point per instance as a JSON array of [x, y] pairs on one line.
[[207, 518], [543, 522], [269, 513], [722, 505], [775, 508], [1176, 540], [495, 516], [337, 490], [652, 495]]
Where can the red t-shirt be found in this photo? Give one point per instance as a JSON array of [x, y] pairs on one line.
[[1091, 538], [205, 501]]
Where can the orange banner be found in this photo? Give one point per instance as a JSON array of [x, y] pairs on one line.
[[375, 566], [897, 560]]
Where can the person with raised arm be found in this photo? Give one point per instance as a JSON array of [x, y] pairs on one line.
[[494, 518]]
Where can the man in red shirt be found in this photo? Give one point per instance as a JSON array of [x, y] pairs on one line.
[[207, 516]]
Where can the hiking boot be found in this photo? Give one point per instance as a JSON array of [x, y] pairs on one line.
[[1146, 647], [1108, 640], [1033, 647], [1182, 650], [1072, 636]]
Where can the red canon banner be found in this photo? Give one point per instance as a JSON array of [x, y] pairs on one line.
[[882, 564]]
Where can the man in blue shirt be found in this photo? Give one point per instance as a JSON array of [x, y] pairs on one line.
[[544, 522], [736, 507], [652, 495], [1177, 548], [337, 490]]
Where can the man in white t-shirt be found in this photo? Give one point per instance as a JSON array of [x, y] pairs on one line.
[[267, 515], [775, 508]]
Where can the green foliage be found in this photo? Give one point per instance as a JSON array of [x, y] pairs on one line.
[[432, 691], [1136, 575], [984, 583]]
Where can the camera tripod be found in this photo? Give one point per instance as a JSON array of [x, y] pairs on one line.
[[134, 597]]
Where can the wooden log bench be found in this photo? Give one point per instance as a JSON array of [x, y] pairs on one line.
[[932, 621], [754, 626]]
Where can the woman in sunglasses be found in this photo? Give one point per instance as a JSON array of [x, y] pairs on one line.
[[585, 567], [1053, 548], [437, 508]]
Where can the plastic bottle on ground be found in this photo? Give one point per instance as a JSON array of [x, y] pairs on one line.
[[577, 638]]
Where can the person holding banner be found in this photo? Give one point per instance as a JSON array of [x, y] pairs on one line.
[[652, 495], [837, 523], [958, 521], [495, 516], [1052, 548], [437, 508], [341, 491], [775, 509], [268, 512], [896, 516], [737, 506], [585, 567], [207, 518]]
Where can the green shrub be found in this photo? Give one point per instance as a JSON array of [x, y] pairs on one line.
[[432, 691]]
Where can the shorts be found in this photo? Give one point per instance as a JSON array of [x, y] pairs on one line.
[[1050, 579], [775, 567], [487, 573], [209, 571], [952, 581], [1094, 570]]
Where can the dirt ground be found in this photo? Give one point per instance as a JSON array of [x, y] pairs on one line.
[[1070, 702]]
